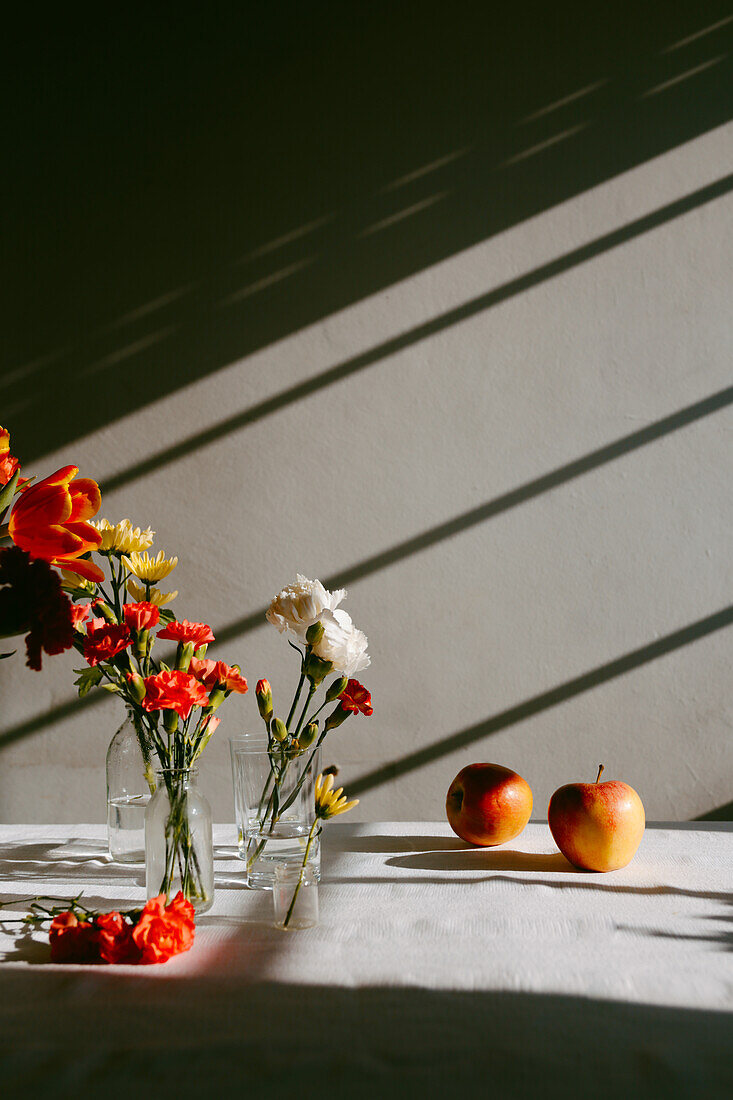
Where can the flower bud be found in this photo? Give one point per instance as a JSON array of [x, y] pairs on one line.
[[170, 721], [184, 653], [335, 718], [208, 728], [278, 729], [140, 648], [263, 692], [136, 685], [314, 633], [317, 669], [216, 698], [338, 687], [103, 609], [308, 735]]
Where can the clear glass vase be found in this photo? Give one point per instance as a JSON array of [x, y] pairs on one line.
[[274, 805], [179, 851], [295, 897], [130, 783]]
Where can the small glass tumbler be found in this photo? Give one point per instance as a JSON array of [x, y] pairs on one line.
[[295, 896]]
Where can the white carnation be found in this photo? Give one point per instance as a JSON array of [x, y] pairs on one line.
[[300, 605], [342, 643]]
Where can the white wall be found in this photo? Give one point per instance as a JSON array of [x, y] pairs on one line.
[[452, 328], [509, 607]]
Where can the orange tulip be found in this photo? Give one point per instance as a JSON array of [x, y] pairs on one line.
[[49, 521]]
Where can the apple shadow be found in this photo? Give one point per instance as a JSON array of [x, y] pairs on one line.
[[485, 859]]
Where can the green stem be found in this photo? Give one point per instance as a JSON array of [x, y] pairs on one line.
[[311, 835], [311, 692], [298, 690]]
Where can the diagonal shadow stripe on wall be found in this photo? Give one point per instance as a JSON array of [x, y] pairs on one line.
[[523, 493], [602, 674], [395, 344]]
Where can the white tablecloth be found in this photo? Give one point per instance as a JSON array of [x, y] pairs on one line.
[[435, 967]]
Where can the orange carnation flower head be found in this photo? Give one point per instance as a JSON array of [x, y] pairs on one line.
[[234, 681], [72, 940], [164, 930], [175, 690], [79, 614], [141, 616], [204, 669], [217, 674], [49, 521], [105, 640], [184, 631], [8, 465]]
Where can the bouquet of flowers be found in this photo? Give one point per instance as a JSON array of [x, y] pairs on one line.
[[327, 642], [108, 610]]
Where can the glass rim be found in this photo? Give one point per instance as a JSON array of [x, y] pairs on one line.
[[290, 872], [249, 742]]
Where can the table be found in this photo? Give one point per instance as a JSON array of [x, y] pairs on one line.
[[436, 970]]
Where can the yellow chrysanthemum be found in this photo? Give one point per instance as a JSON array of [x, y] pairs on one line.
[[150, 569], [329, 802], [70, 582], [4, 440], [123, 538], [139, 592]]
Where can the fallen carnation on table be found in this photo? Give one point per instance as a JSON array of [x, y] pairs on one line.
[[135, 937]]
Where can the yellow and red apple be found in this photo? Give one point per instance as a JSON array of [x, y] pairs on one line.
[[597, 826], [488, 804]]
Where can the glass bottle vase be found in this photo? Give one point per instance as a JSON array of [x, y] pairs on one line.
[[179, 852], [275, 807], [130, 783]]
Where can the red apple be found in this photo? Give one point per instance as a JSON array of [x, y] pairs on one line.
[[597, 826], [488, 804]]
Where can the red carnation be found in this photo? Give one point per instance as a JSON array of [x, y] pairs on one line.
[[72, 940], [105, 640], [114, 938], [184, 631], [141, 616], [356, 698], [164, 930], [178, 691], [31, 599]]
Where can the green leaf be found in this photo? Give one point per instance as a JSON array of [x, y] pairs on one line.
[[3, 656], [164, 667], [167, 616], [87, 679], [8, 491]]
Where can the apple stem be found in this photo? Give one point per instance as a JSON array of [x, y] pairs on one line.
[[600, 771]]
